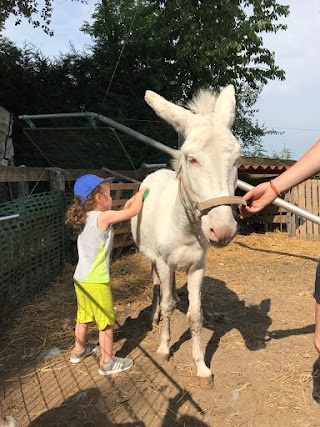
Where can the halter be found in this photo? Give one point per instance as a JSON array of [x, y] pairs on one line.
[[197, 208]]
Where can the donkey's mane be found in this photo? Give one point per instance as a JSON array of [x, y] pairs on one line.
[[203, 102]]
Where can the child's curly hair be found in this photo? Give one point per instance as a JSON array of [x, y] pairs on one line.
[[76, 215]]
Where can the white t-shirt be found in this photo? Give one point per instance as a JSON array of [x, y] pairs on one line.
[[94, 250]]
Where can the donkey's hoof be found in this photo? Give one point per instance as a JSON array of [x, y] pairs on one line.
[[163, 358], [206, 382]]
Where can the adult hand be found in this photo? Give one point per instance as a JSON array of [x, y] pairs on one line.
[[260, 196]]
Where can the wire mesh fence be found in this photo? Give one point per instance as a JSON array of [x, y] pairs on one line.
[[35, 244], [32, 247], [87, 147]]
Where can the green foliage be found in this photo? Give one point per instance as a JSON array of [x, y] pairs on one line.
[[172, 47], [188, 44], [176, 47], [30, 10], [284, 154]]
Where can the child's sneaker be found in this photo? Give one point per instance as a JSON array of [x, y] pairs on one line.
[[87, 351], [115, 365]]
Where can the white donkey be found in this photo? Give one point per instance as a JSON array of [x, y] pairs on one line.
[[188, 209]]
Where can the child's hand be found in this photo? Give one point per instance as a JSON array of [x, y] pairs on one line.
[[139, 194], [143, 191]]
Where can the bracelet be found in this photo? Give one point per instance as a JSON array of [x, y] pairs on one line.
[[274, 188]]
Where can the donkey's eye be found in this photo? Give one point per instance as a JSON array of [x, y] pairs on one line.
[[193, 161]]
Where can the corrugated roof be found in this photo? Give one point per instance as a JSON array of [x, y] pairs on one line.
[[261, 169]]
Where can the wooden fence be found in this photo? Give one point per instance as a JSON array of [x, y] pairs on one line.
[[307, 196], [122, 230], [26, 180], [34, 240]]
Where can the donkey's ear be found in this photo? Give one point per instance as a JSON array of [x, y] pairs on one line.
[[225, 106], [178, 117]]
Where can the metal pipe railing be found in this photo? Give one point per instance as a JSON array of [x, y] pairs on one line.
[[109, 122], [168, 150]]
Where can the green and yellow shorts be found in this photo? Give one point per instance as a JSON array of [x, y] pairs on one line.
[[95, 304]]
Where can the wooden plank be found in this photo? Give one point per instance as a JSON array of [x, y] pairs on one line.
[[117, 197], [22, 173], [277, 219], [116, 204], [309, 207], [20, 189], [315, 204], [281, 219], [269, 215], [302, 204], [117, 245], [293, 226], [119, 231], [57, 180], [287, 198], [18, 174], [125, 186]]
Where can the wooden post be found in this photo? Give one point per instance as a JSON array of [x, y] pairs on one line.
[[57, 181], [22, 189], [19, 189]]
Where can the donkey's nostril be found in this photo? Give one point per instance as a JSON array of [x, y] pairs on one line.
[[212, 235], [224, 234]]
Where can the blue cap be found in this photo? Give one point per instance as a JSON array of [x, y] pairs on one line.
[[86, 184]]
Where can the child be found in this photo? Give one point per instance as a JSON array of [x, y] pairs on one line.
[[91, 214]]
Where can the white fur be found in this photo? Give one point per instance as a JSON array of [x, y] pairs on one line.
[[162, 230]]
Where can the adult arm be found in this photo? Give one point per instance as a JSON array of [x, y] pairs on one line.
[[263, 194]]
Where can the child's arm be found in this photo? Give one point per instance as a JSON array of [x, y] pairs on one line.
[[128, 203], [130, 210]]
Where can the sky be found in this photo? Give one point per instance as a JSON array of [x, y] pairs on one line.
[[291, 107]]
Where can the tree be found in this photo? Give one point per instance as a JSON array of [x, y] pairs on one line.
[[284, 154], [29, 9], [175, 47], [171, 47]]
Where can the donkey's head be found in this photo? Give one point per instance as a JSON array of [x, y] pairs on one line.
[[206, 163]]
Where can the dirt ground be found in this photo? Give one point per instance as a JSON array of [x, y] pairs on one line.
[[257, 336]]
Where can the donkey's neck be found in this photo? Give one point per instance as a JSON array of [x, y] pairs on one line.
[[186, 220]]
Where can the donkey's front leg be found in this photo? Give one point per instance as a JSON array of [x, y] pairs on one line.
[[195, 318], [167, 306]]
